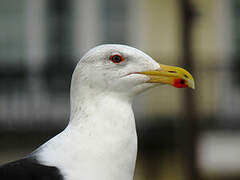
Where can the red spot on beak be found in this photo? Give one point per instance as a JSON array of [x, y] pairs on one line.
[[180, 83]]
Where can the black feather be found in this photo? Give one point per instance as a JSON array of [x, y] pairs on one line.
[[29, 169]]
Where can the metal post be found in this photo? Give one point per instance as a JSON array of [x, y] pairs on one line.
[[191, 135]]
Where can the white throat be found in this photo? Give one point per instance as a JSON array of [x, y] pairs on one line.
[[100, 142]]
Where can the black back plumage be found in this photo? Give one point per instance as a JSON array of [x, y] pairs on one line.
[[29, 169]]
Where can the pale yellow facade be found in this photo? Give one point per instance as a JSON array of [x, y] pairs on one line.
[[161, 36]]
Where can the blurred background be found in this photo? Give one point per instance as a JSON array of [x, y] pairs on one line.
[[183, 134]]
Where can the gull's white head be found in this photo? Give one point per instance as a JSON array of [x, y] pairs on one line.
[[103, 84], [121, 69]]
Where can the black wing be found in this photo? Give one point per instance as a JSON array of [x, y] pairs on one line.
[[29, 169]]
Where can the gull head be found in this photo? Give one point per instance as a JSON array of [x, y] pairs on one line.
[[121, 69]]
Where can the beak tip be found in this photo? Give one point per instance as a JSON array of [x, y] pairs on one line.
[[192, 84]]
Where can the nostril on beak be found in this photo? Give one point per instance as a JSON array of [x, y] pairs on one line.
[[172, 71], [186, 76]]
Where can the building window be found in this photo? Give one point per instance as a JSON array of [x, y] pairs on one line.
[[114, 18], [59, 64], [12, 33]]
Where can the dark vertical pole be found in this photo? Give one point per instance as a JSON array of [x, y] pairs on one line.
[[191, 135]]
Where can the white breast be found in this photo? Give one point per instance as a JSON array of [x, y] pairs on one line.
[[95, 146]]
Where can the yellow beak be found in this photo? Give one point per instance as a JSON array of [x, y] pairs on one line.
[[175, 76]]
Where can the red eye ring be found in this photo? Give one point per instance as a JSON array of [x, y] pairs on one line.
[[116, 58]]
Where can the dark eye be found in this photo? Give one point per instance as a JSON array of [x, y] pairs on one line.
[[116, 58]]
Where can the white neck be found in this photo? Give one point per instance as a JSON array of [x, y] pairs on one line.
[[100, 142]]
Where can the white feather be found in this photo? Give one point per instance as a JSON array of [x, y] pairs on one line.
[[100, 142]]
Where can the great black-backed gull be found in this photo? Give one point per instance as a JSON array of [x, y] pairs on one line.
[[100, 141]]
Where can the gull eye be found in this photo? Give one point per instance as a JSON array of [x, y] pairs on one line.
[[116, 59]]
